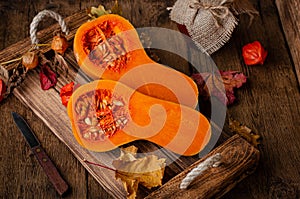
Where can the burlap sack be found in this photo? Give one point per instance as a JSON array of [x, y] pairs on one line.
[[210, 23]]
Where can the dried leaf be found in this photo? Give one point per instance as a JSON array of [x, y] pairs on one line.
[[43, 60], [209, 82], [47, 77], [94, 12], [61, 63], [66, 92], [116, 9], [244, 131], [17, 77], [233, 79], [131, 186], [131, 149], [147, 171]]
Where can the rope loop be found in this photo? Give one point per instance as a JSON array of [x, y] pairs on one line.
[[211, 162], [38, 18]]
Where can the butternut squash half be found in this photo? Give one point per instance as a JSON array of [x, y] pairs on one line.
[[109, 48], [106, 114]]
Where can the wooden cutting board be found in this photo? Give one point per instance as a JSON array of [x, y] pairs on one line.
[[47, 105]]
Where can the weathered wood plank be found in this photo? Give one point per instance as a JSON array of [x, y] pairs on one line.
[[239, 159], [21, 175], [270, 100], [57, 120], [289, 16], [55, 117], [269, 104]]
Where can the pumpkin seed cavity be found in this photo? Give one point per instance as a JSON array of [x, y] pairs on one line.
[[100, 114], [105, 48]]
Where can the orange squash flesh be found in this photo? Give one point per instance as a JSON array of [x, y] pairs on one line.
[[137, 58], [175, 127]]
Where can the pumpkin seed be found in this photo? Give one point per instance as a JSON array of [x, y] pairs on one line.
[[88, 121], [125, 121], [104, 101], [101, 131], [118, 122], [87, 135], [118, 103]]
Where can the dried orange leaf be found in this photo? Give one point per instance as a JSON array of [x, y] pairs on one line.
[[131, 185], [244, 131], [147, 171], [131, 149]]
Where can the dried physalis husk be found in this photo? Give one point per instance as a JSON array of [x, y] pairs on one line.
[[59, 43], [30, 60]]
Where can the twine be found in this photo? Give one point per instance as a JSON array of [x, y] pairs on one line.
[[213, 161], [214, 10], [38, 18]]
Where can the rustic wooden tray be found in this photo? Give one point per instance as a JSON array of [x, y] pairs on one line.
[[47, 105]]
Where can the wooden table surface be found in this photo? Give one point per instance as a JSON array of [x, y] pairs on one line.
[[269, 103]]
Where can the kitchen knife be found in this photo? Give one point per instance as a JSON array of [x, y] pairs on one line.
[[58, 182]]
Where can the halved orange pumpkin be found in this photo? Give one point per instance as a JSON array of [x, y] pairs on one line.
[[106, 114], [109, 48]]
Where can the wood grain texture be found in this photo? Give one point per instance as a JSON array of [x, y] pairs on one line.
[[21, 174], [53, 116], [239, 159], [269, 104], [289, 17]]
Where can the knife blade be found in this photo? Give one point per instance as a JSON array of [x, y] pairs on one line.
[[49, 168]]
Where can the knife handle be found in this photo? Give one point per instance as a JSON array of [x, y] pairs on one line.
[[58, 182]]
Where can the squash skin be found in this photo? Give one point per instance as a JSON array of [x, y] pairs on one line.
[[138, 59], [177, 135]]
